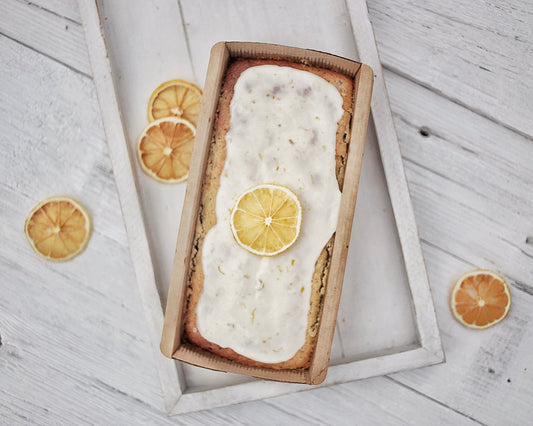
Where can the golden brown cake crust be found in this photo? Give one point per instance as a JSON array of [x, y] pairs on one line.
[[207, 218]]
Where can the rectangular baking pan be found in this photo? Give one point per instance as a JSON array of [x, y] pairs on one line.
[[172, 344]]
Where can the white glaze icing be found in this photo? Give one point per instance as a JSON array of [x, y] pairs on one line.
[[283, 131]]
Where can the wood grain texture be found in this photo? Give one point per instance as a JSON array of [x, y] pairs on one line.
[[372, 401], [71, 332], [475, 179], [49, 33], [64, 8], [487, 376], [473, 53], [73, 349], [467, 221]]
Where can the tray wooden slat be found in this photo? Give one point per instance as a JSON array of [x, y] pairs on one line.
[[129, 58]]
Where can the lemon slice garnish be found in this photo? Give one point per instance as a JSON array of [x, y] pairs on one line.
[[266, 219], [175, 98], [58, 228], [480, 299], [165, 148]]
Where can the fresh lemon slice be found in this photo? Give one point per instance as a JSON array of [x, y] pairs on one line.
[[266, 219], [58, 228], [165, 147], [175, 98], [480, 299]]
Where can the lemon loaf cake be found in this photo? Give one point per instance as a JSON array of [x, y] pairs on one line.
[[278, 155]]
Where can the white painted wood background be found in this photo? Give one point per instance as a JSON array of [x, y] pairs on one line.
[[73, 346]]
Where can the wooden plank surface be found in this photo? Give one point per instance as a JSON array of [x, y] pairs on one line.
[[71, 332], [138, 57], [467, 220], [64, 8], [473, 53], [73, 349], [49, 33]]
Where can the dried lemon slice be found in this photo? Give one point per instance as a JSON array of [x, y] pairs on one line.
[[266, 219], [58, 228], [480, 299], [165, 148], [175, 98]]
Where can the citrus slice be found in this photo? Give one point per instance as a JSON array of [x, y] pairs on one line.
[[165, 147], [480, 299], [266, 219], [175, 98], [58, 228]]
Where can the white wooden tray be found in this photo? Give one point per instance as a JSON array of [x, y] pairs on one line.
[[386, 321]]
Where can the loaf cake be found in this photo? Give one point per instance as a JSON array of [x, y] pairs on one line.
[[277, 122]]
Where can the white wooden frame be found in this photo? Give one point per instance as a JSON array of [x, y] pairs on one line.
[[177, 399]]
